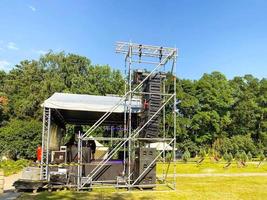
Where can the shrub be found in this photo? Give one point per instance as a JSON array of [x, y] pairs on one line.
[[19, 138], [226, 156], [12, 167], [261, 156], [235, 144], [188, 145], [230, 158], [243, 157], [249, 156], [243, 143], [202, 153], [186, 155], [237, 156]]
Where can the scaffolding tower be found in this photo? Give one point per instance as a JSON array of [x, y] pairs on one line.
[[153, 60]]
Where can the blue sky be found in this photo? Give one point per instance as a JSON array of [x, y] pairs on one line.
[[227, 36]]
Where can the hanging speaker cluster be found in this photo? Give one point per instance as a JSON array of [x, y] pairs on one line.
[[151, 103]]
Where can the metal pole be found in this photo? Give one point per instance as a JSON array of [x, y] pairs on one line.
[[125, 117], [129, 115], [79, 161], [47, 145], [164, 122], [174, 122], [111, 132]]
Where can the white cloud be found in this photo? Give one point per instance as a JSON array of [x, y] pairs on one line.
[[12, 46], [4, 65], [32, 8]]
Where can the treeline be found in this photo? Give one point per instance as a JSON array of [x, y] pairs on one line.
[[213, 113], [222, 116], [24, 88]]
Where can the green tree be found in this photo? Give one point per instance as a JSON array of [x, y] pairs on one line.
[[214, 95], [31, 82], [3, 109], [19, 138]]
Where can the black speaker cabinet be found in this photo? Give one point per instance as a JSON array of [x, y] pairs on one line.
[[144, 171]]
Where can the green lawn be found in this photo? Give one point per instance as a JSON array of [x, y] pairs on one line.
[[187, 188], [249, 187], [211, 167]]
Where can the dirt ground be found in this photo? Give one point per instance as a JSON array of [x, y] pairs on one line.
[[9, 180]]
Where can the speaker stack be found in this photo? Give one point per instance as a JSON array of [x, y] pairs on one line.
[[152, 103], [144, 157]]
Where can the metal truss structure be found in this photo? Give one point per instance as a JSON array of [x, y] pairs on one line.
[[45, 143], [158, 57], [155, 59]]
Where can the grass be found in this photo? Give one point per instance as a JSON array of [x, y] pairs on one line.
[[12, 167], [248, 187], [187, 188], [208, 166]]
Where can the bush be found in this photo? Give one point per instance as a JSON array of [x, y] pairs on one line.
[[188, 145], [230, 158], [186, 155], [261, 156], [243, 143], [237, 156], [243, 157], [19, 139], [202, 153], [249, 156], [235, 144], [12, 167], [226, 156]]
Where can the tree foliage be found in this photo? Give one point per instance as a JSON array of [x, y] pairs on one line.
[[227, 116], [28, 84], [19, 138]]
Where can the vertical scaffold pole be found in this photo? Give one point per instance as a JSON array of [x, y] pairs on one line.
[[174, 120], [164, 122], [47, 144], [125, 116], [130, 116], [79, 161]]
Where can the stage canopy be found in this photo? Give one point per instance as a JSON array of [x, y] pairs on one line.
[[86, 109]]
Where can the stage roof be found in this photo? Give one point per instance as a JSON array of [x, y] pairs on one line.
[[86, 109], [85, 102]]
